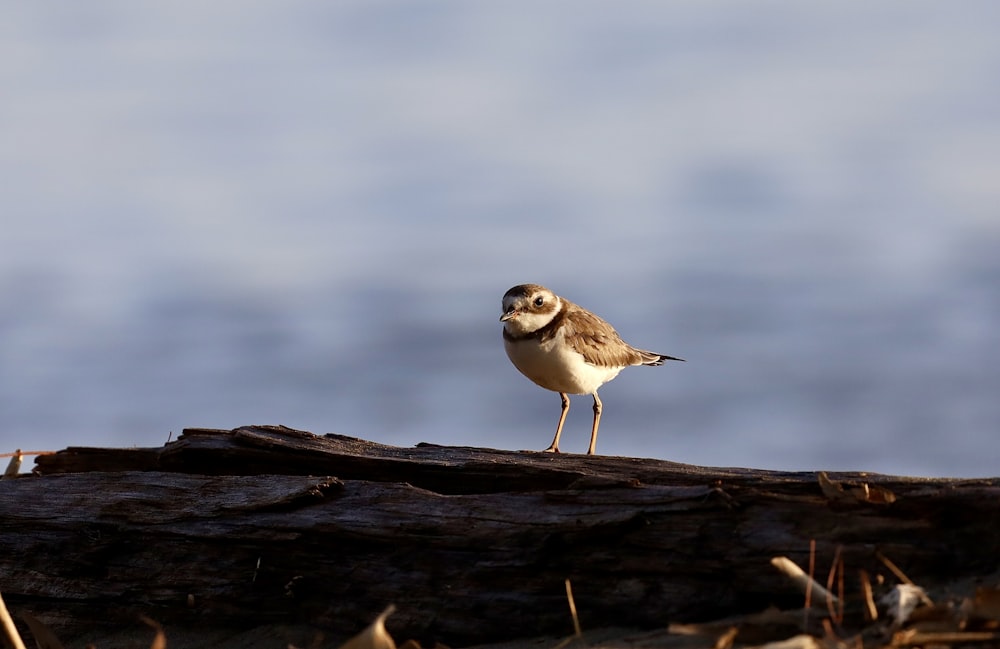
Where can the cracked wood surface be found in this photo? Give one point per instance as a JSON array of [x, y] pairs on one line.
[[268, 525]]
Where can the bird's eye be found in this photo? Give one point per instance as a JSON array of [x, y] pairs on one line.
[[539, 301]]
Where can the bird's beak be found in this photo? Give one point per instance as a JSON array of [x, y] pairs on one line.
[[510, 315]]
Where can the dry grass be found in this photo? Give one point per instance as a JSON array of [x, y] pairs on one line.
[[904, 616]]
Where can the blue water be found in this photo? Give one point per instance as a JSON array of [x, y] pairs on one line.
[[306, 213]]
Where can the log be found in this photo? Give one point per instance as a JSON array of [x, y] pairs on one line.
[[265, 525]]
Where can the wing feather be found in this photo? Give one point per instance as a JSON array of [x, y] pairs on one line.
[[593, 338], [599, 343]]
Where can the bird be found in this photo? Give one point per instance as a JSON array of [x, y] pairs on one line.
[[565, 348]]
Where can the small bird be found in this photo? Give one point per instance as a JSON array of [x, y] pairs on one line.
[[565, 348]]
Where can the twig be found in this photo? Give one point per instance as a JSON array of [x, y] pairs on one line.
[[572, 609], [866, 589], [14, 467], [809, 584], [10, 631], [19, 452], [800, 578], [900, 575], [913, 637], [725, 641], [837, 566], [576, 620]]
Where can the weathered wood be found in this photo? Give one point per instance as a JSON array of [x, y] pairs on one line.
[[270, 525]]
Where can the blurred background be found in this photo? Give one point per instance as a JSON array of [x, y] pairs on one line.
[[306, 213]]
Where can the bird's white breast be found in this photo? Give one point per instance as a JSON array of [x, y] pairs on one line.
[[554, 365]]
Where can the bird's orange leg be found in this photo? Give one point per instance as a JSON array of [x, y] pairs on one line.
[[554, 446], [598, 406]]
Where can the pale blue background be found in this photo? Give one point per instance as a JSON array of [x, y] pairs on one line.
[[306, 213]]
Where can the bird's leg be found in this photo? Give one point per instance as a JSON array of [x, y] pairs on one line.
[[554, 446], [598, 406]]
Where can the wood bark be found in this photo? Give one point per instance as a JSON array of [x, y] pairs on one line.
[[268, 525]]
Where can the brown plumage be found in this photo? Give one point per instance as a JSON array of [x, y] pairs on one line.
[[565, 348]]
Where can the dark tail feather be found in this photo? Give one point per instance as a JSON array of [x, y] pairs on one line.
[[652, 358]]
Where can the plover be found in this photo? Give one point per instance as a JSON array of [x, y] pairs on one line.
[[565, 348]]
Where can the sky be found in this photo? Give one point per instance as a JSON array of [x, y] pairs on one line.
[[306, 213]]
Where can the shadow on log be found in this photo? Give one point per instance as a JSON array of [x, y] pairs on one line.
[[268, 525]]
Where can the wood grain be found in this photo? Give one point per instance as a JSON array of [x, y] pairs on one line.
[[262, 525]]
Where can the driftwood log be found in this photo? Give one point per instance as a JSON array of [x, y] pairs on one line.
[[267, 525]]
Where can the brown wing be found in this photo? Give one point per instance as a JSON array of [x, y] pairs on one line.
[[599, 343]]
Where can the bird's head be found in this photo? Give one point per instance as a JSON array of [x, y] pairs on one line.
[[528, 308]]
